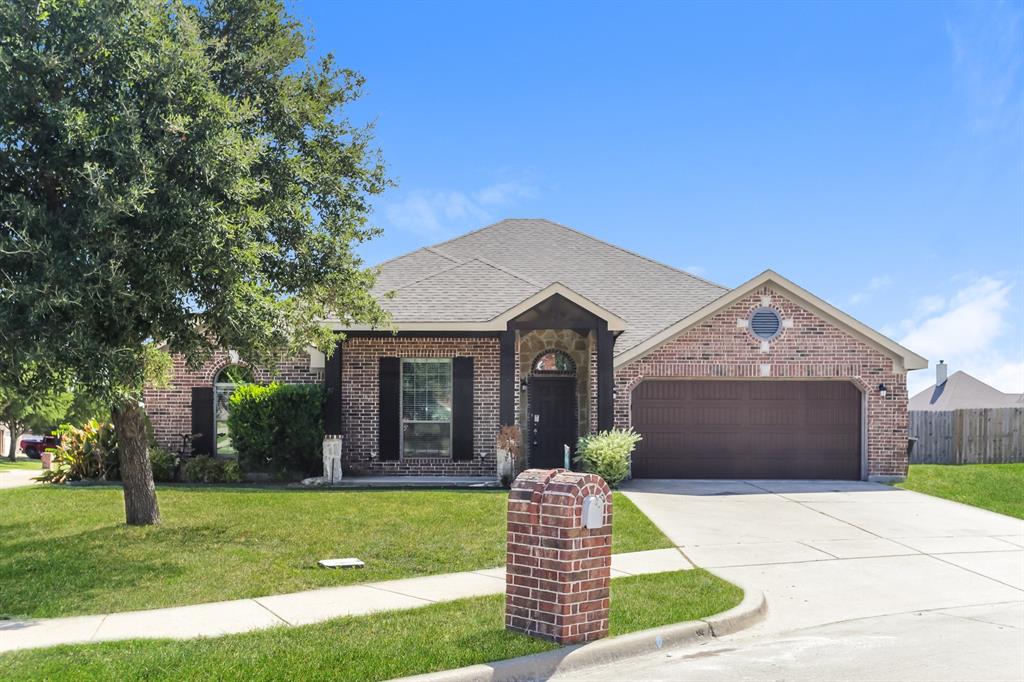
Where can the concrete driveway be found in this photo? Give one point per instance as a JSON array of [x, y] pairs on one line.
[[18, 478], [863, 581]]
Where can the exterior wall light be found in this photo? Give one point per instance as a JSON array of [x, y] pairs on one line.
[[522, 383], [882, 390]]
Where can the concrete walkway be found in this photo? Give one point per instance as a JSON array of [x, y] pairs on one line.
[[863, 581], [18, 478], [298, 608]]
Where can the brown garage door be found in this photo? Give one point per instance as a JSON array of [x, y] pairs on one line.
[[747, 429]]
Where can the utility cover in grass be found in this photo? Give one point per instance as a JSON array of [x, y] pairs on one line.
[[350, 562]]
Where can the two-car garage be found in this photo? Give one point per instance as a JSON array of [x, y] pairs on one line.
[[747, 429]]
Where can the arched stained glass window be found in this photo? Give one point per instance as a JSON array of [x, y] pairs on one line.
[[554, 361]]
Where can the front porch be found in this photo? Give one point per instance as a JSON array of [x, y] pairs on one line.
[[546, 368]]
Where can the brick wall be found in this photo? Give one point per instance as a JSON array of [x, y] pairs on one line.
[[812, 348], [360, 410], [170, 409], [558, 572]]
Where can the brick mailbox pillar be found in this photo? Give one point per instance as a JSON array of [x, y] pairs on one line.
[[559, 555]]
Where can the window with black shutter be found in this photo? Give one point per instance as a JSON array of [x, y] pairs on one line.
[[389, 408], [462, 408]]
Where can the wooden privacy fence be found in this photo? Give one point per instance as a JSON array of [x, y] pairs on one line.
[[982, 436]]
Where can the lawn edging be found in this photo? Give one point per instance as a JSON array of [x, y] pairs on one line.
[[751, 610]]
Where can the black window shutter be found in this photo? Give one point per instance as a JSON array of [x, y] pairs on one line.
[[462, 408], [202, 420], [389, 402]]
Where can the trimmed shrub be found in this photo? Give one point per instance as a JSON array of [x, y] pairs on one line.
[[608, 454], [163, 464], [278, 427], [205, 469]]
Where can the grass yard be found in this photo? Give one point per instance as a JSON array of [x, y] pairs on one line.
[[997, 487], [66, 550], [21, 463], [375, 647]]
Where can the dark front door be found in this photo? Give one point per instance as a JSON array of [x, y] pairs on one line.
[[552, 420], [747, 429]]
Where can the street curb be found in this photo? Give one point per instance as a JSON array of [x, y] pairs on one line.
[[542, 666]]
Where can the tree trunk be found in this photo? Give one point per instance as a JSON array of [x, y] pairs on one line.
[[140, 506], [12, 449]]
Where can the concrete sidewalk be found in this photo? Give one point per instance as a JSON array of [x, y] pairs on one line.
[[298, 608]]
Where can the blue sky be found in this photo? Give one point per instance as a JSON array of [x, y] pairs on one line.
[[873, 153]]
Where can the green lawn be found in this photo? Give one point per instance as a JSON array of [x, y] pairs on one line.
[[66, 550], [997, 487], [21, 463], [375, 647]]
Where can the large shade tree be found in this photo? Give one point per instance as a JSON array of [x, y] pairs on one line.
[[174, 177]]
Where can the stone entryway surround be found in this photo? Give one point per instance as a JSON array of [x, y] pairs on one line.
[[578, 345]]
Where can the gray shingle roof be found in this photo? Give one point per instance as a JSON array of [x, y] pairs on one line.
[[481, 274], [961, 391], [464, 292]]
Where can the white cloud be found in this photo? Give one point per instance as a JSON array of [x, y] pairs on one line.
[[698, 270], [875, 284], [968, 332], [435, 212], [505, 193]]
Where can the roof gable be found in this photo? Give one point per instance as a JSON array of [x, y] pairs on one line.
[[641, 294], [906, 358]]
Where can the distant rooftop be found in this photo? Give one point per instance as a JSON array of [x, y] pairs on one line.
[[961, 391]]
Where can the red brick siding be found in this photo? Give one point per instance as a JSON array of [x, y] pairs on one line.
[[170, 409], [558, 573], [812, 348], [360, 409]]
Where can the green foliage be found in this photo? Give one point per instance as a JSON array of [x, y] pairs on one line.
[[86, 453], [278, 427], [205, 469], [176, 171], [163, 464], [176, 176], [31, 398], [608, 453]]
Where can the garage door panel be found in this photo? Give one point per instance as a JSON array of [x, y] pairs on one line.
[[833, 415], [775, 390], [747, 429], [773, 415], [714, 390]]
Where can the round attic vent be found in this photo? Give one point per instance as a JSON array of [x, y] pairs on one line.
[[765, 323]]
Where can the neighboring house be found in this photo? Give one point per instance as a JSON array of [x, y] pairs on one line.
[[962, 420], [961, 391], [532, 323]]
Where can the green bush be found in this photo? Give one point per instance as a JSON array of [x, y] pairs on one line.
[[205, 469], [163, 464], [278, 427], [608, 454]]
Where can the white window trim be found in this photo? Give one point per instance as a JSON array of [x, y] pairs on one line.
[[402, 421]]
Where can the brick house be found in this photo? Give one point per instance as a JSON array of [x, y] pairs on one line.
[[531, 323]]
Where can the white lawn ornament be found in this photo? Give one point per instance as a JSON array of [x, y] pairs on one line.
[[332, 459]]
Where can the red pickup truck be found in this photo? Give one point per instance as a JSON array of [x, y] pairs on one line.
[[33, 446]]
